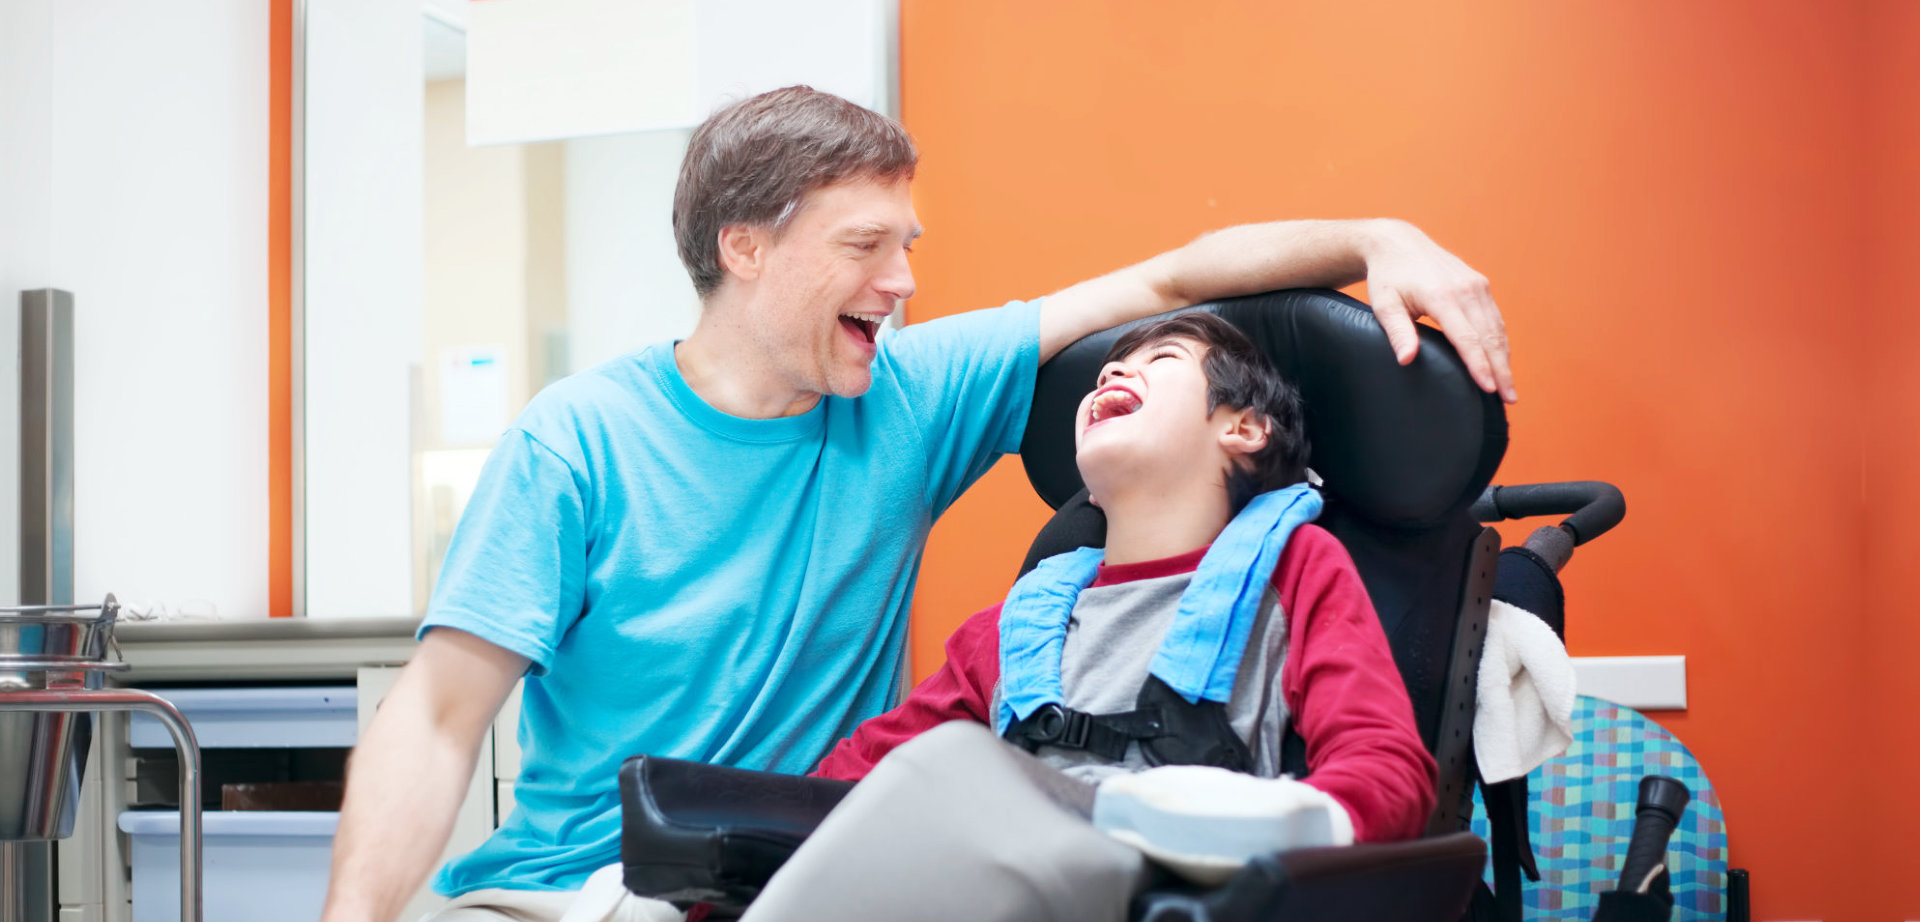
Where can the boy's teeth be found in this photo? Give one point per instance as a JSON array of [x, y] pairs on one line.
[[1113, 403]]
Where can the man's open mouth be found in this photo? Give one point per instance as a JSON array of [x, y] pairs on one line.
[[1112, 403], [862, 325]]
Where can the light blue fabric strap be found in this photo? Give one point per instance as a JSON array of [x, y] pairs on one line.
[[1201, 653], [1033, 632]]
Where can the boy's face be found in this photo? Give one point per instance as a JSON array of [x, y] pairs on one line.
[[1146, 423]]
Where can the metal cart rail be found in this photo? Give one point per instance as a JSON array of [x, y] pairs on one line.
[[53, 661]]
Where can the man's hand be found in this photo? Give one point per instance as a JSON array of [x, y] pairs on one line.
[[1409, 277]]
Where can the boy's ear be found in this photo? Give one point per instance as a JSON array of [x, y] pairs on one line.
[[1243, 432], [743, 250]]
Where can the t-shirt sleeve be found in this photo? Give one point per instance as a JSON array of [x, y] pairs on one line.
[[1347, 700], [968, 382], [515, 569], [961, 689]]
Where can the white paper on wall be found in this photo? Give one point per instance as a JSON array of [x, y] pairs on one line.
[[540, 70], [473, 394]]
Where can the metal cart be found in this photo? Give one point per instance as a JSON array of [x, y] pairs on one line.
[[53, 665]]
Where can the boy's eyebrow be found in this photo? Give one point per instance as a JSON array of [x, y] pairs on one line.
[[1176, 341]]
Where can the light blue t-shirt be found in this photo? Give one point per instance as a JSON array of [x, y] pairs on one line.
[[701, 586]]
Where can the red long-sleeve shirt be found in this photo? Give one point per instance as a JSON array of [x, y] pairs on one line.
[[1341, 687]]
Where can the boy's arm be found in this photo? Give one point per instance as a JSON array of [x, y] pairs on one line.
[[961, 689], [1408, 276], [1346, 696]]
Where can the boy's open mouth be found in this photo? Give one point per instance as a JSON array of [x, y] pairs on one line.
[[861, 325], [1112, 403]]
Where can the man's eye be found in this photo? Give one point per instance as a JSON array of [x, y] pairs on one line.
[[1164, 355]]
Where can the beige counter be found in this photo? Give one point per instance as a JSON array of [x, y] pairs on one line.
[[268, 648]]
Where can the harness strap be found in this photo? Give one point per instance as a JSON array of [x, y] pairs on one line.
[[1169, 729], [1104, 735], [1512, 852]]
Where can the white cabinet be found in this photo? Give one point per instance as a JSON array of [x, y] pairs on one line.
[[361, 659]]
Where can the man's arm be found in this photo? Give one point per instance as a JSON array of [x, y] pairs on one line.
[[411, 770], [1408, 276]]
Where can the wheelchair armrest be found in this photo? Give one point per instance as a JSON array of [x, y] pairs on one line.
[[692, 832], [1425, 880]]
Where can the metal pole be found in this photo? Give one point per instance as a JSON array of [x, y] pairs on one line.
[[46, 536], [129, 699], [46, 447], [13, 884]]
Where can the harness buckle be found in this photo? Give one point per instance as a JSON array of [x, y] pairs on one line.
[[1061, 726], [1078, 725]]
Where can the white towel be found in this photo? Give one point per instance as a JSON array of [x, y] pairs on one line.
[[1526, 692]]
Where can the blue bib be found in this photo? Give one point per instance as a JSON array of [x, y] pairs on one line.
[[1200, 656]]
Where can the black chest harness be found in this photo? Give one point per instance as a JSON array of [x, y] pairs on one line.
[[1169, 729]]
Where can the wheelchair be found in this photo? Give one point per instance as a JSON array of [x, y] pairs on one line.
[[1404, 457]]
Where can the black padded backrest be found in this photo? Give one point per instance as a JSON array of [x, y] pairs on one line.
[[1407, 446], [1403, 452]]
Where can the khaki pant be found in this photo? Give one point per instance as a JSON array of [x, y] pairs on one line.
[[495, 905], [956, 824]]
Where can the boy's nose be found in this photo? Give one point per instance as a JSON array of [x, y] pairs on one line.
[[1114, 370]]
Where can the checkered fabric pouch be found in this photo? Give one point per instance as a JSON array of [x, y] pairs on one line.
[[1580, 807]]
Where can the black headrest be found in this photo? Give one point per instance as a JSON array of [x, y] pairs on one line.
[[1407, 446]]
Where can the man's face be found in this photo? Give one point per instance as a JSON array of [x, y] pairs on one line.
[[1146, 421], [831, 279]]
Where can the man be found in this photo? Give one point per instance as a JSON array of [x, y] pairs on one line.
[[706, 550]]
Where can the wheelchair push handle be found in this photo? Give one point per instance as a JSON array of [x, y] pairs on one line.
[[1590, 507], [1662, 801]]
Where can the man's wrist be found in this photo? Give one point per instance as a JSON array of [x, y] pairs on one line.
[[1374, 237]]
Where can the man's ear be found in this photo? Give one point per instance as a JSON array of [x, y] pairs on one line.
[[743, 251], [1243, 432]]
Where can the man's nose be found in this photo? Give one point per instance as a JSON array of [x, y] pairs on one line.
[[896, 279], [1114, 370]]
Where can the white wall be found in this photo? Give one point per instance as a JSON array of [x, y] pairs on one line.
[[362, 323], [26, 210], [625, 285], [133, 172]]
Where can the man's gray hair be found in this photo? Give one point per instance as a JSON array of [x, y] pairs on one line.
[[754, 161]]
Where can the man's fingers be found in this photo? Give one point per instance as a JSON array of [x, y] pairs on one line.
[[1394, 319], [1499, 355], [1466, 330]]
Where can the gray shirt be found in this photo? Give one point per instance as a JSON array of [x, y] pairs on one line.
[[1112, 636]]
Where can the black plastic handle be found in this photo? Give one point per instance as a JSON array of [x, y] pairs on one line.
[[1591, 507], [1662, 800]]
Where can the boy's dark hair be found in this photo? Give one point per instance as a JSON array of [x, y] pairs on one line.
[[1239, 378], [754, 161]]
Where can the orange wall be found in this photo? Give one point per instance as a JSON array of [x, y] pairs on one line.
[[1671, 201], [1893, 441], [280, 312]]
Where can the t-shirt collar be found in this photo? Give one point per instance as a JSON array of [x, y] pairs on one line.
[[739, 428]]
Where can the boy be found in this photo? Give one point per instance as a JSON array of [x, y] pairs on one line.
[[1213, 622]]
